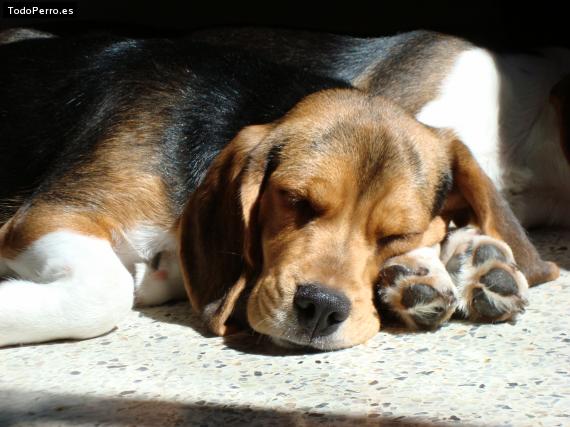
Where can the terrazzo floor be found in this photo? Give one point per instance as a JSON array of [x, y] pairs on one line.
[[159, 369]]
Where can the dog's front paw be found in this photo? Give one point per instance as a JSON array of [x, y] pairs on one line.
[[417, 289], [491, 287]]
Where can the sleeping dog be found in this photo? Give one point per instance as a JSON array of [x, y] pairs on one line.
[[282, 194], [511, 110]]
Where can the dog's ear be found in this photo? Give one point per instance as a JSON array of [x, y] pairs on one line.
[[217, 229], [475, 199]]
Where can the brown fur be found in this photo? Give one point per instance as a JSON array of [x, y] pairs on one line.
[[103, 196], [326, 195], [491, 213], [414, 78]]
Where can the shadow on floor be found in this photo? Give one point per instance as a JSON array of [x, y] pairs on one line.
[[553, 244], [177, 313], [251, 342], [36, 408], [247, 341]]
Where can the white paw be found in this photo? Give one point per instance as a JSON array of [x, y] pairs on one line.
[[158, 282], [417, 288], [491, 287]]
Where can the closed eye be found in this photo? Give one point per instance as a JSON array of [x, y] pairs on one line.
[[300, 204], [386, 240], [290, 197], [392, 238]]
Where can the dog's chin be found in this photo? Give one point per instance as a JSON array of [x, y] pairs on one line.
[[289, 345], [312, 346]]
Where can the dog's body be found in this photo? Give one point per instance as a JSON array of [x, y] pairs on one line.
[[511, 110], [117, 152], [106, 139]]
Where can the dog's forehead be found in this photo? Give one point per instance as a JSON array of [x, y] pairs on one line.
[[348, 122], [365, 149]]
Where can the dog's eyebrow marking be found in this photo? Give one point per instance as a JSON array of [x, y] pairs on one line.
[[443, 187], [273, 159]]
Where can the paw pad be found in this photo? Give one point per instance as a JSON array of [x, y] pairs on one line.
[[500, 281], [486, 252], [418, 294], [484, 306], [483, 269], [417, 291]]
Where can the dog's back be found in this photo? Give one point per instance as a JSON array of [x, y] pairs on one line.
[[166, 107], [508, 108], [407, 68]]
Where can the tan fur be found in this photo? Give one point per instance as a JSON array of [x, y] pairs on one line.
[[344, 183], [413, 80], [102, 197], [491, 213], [325, 195]]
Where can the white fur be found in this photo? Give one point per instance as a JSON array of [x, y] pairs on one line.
[[155, 287], [68, 286], [462, 243], [455, 290], [137, 248], [144, 241], [468, 103], [428, 258], [499, 106]]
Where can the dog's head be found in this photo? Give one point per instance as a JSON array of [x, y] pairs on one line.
[[295, 218]]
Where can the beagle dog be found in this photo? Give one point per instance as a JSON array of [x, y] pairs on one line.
[[281, 195], [511, 110]]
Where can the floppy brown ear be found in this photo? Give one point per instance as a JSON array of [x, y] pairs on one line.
[[475, 199], [215, 231]]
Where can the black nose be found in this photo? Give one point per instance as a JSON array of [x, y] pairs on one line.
[[319, 309]]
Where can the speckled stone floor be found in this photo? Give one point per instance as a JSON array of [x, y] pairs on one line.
[[158, 369]]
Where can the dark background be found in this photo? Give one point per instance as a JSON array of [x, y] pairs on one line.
[[498, 24]]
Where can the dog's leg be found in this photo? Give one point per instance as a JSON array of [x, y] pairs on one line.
[[159, 281], [491, 287], [417, 288], [67, 285]]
